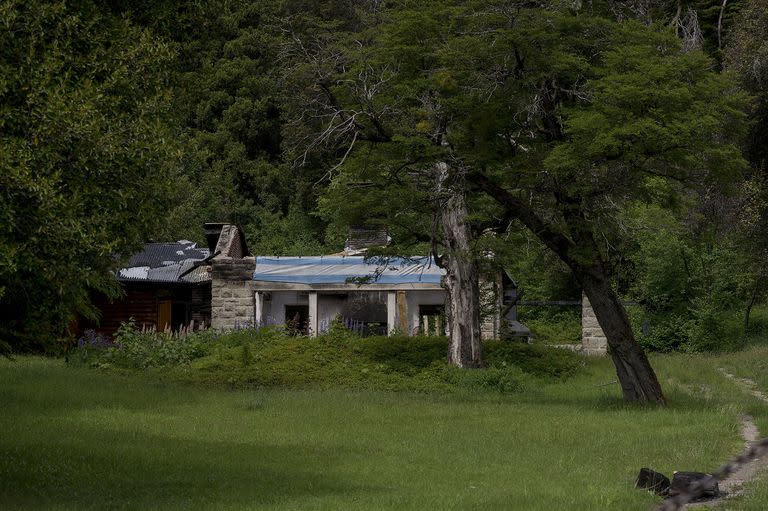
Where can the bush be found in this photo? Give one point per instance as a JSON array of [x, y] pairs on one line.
[[135, 349], [538, 361], [703, 329], [553, 325], [338, 358]]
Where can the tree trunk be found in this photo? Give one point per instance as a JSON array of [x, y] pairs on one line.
[[751, 303], [461, 279], [582, 255], [635, 374]]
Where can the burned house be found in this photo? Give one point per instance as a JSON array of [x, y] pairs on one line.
[[166, 286], [370, 296], [175, 285]]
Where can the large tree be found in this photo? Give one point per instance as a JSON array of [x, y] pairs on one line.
[[558, 115], [86, 162]]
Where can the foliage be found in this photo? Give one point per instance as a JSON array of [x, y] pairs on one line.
[[230, 99], [86, 161], [746, 55], [274, 357], [136, 349], [552, 324], [125, 120], [690, 276]]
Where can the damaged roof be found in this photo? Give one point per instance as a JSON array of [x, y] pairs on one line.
[[167, 262], [349, 269]]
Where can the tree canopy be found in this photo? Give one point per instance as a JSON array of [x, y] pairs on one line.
[[626, 138], [87, 161]]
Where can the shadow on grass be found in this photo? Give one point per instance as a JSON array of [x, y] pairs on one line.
[[77, 439], [93, 469]]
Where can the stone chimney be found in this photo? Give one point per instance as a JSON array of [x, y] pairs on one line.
[[359, 239], [232, 295]]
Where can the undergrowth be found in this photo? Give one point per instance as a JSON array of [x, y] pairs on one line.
[[272, 357]]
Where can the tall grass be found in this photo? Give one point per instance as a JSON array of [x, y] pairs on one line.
[[75, 438]]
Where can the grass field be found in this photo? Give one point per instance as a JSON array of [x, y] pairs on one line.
[[77, 438]]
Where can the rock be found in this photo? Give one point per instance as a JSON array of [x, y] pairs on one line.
[[681, 481], [649, 480]]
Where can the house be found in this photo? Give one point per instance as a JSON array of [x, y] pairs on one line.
[[372, 297], [175, 285], [375, 296], [165, 286]]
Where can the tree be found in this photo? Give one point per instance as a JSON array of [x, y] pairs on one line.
[[619, 107], [558, 116], [86, 164]]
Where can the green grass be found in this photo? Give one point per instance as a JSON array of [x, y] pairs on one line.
[[76, 438]]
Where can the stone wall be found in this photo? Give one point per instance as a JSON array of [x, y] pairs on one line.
[[490, 307], [593, 341], [232, 292]]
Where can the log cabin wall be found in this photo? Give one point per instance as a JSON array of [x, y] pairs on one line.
[[141, 302], [200, 305]]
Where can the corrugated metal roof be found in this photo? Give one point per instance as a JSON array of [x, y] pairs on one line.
[[199, 274], [156, 255], [339, 270], [361, 239], [164, 262]]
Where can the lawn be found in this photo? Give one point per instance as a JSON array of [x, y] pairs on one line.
[[78, 438]]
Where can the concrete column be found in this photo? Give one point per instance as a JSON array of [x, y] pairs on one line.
[[391, 312], [258, 309], [313, 314], [593, 340]]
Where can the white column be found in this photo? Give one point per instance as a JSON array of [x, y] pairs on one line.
[[258, 309], [313, 316], [391, 312]]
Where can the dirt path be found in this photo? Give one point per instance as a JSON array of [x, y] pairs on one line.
[[733, 485]]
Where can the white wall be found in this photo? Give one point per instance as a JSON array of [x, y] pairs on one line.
[[416, 298], [274, 309], [328, 307]]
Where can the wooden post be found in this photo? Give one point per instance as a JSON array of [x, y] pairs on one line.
[[402, 312]]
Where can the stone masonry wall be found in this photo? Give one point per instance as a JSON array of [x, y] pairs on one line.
[[490, 307], [593, 341], [232, 291]]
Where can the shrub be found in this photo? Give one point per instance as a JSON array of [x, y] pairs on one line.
[[553, 325], [702, 329], [338, 358], [538, 361], [137, 349], [663, 333]]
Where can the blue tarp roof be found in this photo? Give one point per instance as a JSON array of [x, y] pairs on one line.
[[344, 269]]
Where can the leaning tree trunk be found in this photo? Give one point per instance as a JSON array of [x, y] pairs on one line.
[[461, 279], [635, 374], [581, 254]]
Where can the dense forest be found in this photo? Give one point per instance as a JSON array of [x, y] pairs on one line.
[[618, 147]]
